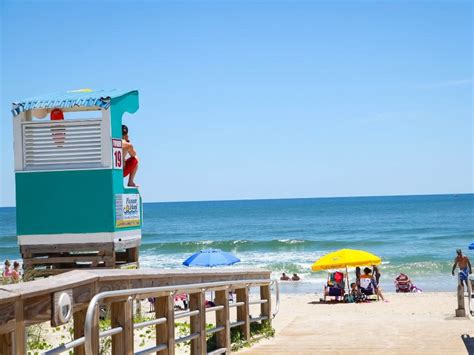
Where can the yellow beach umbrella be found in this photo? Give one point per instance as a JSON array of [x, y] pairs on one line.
[[344, 258]]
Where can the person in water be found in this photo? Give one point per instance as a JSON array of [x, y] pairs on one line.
[[131, 164], [295, 277], [465, 268], [284, 277]]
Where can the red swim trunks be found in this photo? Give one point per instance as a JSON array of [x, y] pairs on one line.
[[130, 164]]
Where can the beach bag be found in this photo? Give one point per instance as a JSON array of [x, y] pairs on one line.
[[360, 298], [349, 298]]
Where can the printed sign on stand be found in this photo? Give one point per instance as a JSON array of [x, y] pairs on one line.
[[127, 210], [117, 153]]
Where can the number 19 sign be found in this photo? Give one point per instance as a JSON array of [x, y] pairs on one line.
[[117, 153]]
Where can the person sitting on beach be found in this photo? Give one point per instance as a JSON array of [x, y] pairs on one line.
[[403, 283], [131, 164], [334, 286], [151, 301], [284, 277], [209, 304], [368, 285], [16, 274], [356, 294], [7, 272], [182, 298], [465, 268], [295, 277]]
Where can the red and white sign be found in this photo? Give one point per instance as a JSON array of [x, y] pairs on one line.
[[117, 153]]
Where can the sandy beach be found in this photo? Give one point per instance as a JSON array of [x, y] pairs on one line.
[[421, 323]]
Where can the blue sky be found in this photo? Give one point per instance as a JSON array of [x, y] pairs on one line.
[[242, 99]]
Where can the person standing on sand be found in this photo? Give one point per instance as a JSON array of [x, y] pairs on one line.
[[131, 164], [357, 272], [376, 273], [465, 268]]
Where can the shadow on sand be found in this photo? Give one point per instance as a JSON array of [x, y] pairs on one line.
[[468, 343], [326, 302]]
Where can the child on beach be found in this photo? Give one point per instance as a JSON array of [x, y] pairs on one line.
[[357, 296]]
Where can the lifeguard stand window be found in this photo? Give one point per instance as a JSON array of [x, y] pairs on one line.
[[54, 145], [82, 140]]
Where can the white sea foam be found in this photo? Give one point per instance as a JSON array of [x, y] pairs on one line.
[[291, 241]]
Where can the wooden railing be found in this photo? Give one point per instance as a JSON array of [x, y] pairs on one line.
[[29, 303]]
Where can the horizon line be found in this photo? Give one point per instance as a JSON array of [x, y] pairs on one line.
[[302, 198], [312, 197]]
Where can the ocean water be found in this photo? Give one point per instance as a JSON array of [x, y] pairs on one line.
[[416, 235]]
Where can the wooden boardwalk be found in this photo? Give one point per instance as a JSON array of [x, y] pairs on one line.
[[407, 324]]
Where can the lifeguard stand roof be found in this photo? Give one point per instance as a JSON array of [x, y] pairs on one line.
[[70, 99]]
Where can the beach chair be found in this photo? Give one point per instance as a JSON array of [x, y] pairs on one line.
[[403, 284], [368, 287], [335, 286]]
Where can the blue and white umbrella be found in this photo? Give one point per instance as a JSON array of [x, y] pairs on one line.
[[210, 258]]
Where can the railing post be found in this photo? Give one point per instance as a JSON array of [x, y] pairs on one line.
[[197, 301], [266, 308], [223, 319], [461, 310], [243, 312], [79, 319], [6, 344], [20, 334], [164, 308], [121, 316], [95, 332]]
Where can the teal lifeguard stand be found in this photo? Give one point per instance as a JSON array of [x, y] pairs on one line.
[[72, 208]]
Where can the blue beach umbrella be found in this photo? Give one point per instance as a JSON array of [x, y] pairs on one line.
[[471, 246], [210, 258]]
